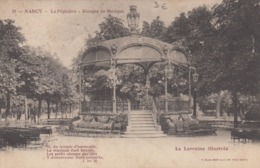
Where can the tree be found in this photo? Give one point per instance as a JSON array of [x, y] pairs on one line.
[[229, 59], [238, 53], [28, 68], [226, 56], [111, 28], [178, 30], [132, 84], [193, 31], [51, 84], [43, 77], [10, 52], [156, 30], [31, 72], [224, 46]]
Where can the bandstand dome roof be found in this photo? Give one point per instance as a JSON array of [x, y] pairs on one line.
[[134, 49]]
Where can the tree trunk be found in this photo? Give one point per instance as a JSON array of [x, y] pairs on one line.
[[8, 104], [195, 103], [61, 110], [48, 109], [66, 110], [56, 110], [39, 108], [25, 108], [234, 100], [0, 112]]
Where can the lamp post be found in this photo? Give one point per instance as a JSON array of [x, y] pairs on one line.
[[113, 74], [195, 78], [86, 85], [115, 81], [147, 86]]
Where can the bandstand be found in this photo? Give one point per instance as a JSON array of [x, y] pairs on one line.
[[142, 51]]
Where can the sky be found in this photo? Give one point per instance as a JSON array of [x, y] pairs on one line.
[[65, 33]]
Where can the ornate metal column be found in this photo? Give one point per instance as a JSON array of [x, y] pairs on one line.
[[189, 88], [113, 68], [166, 90], [80, 87], [114, 85], [168, 75], [147, 86]]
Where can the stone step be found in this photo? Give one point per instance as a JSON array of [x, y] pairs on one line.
[[141, 122], [140, 112], [148, 114], [143, 129], [142, 125], [137, 116], [141, 115], [144, 136], [141, 119], [143, 132]]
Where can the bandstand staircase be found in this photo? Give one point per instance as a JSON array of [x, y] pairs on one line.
[[141, 124]]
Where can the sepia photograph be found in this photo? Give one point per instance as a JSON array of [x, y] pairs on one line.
[[129, 83]]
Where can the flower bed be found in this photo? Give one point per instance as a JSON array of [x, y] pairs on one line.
[[184, 125]]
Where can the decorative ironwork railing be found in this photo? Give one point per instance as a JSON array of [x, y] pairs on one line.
[[103, 107], [122, 106], [142, 105], [155, 114], [173, 106]]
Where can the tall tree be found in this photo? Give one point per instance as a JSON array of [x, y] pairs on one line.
[[10, 52], [226, 54], [224, 46], [238, 51], [179, 29], [156, 30], [229, 57]]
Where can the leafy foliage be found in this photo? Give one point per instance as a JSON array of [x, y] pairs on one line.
[[10, 52], [157, 29], [31, 72], [111, 28]]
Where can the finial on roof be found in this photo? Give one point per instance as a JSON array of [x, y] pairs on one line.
[[133, 19]]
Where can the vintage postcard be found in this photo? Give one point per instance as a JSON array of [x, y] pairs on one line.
[[129, 83]]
